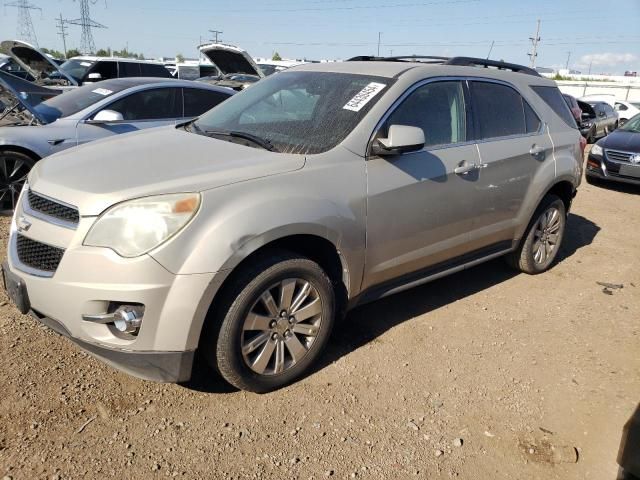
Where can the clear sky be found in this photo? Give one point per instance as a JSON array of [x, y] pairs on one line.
[[605, 34]]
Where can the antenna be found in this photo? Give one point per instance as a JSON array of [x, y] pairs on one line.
[[25, 28], [87, 44], [535, 40], [215, 34]]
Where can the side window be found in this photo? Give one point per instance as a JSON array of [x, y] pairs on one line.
[[106, 69], [552, 97], [498, 110], [608, 110], [129, 69], [152, 70], [621, 107], [157, 103], [532, 120], [438, 109], [196, 102]]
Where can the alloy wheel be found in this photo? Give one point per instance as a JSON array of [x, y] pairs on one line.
[[281, 326], [13, 174], [546, 236]]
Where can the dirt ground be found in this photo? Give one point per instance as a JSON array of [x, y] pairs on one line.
[[510, 364]]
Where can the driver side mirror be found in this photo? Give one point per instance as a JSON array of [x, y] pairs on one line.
[[400, 139], [602, 114], [106, 116]]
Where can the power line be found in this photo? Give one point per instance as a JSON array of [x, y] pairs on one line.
[[535, 40], [87, 44], [62, 31], [25, 28]]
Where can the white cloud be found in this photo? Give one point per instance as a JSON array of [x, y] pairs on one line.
[[608, 59]]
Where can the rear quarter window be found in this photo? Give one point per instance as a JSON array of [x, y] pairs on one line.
[[552, 97]]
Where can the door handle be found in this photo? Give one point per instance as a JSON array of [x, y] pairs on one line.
[[536, 151], [466, 167]]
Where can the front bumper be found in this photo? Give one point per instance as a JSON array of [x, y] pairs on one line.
[[156, 366], [602, 169], [90, 280]]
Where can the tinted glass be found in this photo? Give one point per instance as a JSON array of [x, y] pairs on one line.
[[77, 99], [157, 103], [632, 125], [196, 102], [608, 109], [76, 69], [553, 98], [152, 70], [106, 69], [129, 69], [499, 110], [438, 109], [299, 112], [531, 119], [621, 107]]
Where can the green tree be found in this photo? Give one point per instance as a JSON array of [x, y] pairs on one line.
[[102, 53], [179, 58], [52, 52], [74, 52], [276, 56]]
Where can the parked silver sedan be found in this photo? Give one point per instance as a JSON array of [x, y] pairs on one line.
[[32, 129]]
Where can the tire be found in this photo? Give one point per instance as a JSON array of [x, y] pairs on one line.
[[14, 168], [534, 257], [252, 343]]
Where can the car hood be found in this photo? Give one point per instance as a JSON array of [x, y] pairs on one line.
[[155, 161], [231, 59], [622, 140], [28, 94], [34, 61]]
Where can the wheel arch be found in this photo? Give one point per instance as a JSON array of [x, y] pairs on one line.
[[20, 149]]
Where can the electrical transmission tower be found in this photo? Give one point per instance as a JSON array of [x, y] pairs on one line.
[[62, 31], [25, 29], [535, 40], [87, 44], [215, 34]]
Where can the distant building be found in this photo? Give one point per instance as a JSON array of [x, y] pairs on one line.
[[630, 74]]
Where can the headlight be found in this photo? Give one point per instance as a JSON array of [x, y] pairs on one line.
[[596, 150], [134, 227]]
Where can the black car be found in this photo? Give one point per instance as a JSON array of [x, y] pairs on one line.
[[599, 119], [617, 156]]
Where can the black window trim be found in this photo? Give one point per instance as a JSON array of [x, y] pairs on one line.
[[476, 130]]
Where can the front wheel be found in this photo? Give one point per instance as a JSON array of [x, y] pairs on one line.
[[14, 168], [543, 238], [276, 319]]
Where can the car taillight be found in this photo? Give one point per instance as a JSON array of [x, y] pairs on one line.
[[583, 144]]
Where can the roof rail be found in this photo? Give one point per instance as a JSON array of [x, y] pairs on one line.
[[458, 61]]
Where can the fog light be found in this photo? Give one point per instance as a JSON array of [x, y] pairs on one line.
[[128, 319]]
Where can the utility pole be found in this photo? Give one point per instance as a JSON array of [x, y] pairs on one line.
[[568, 57], [535, 40], [87, 44], [62, 31], [379, 35], [215, 34], [25, 28]]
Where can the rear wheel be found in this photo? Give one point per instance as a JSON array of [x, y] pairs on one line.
[[14, 168], [273, 321], [543, 238]]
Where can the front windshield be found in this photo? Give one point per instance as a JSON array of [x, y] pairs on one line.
[[298, 112], [632, 125], [76, 69], [77, 99]]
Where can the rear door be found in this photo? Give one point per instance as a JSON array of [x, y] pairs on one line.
[[197, 101], [154, 107], [513, 144]]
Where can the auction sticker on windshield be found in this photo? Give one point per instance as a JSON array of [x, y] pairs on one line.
[[102, 91], [364, 96]]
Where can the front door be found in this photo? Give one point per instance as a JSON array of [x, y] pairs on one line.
[[419, 210], [143, 109]]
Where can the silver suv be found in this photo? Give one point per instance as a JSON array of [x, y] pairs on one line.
[[244, 234]]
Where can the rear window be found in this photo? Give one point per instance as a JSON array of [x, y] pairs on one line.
[[499, 110], [553, 98], [153, 70]]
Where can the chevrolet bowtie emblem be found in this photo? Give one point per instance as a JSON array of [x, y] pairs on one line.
[[23, 224], [635, 158]]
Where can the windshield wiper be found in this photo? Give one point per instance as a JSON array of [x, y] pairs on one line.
[[262, 142]]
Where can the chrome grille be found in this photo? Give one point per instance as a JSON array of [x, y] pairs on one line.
[[38, 255], [618, 156], [52, 208]]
